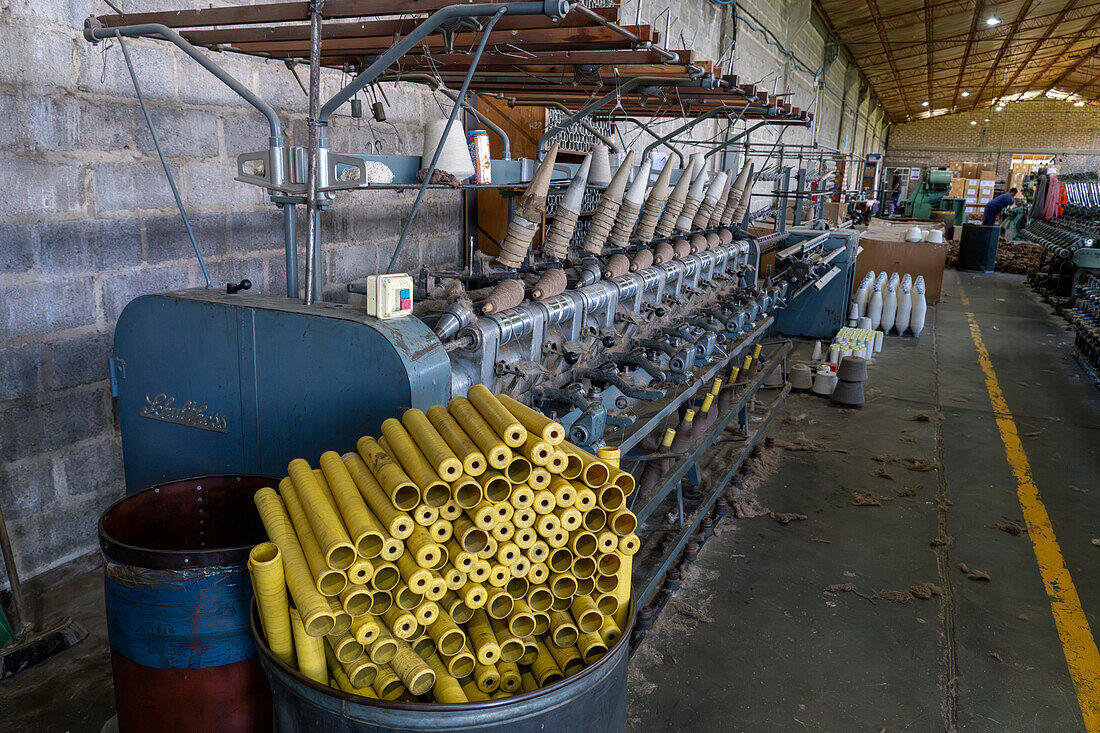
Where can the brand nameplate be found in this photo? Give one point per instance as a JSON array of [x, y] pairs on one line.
[[191, 414]]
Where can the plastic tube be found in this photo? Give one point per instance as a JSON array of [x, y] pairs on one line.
[[366, 532], [461, 664], [315, 612], [534, 421], [402, 624], [482, 639], [345, 646], [473, 460], [336, 546], [265, 565], [341, 677], [544, 669], [356, 600], [470, 689], [432, 444], [396, 439], [328, 582], [365, 629], [499, 418], [567, 658], [610, 631], [414, 672], [511, 646], [397, 523], [509, 676], [342, 619], [309, 650], [539, 452], [446, 689], [387, 684], [594, 472], [496, 452]]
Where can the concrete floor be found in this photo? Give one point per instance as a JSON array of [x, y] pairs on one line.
[[753, 641]]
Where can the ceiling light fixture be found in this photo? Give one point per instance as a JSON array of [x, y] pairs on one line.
[[924, 103], [964, 93], [973, 122], [1079, 103], [993, 20], [987, 119], [999, 107]]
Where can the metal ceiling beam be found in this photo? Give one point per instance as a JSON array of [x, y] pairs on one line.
[[1004, 46], [929, 53], [966, 54], [1068, 45], [1036, 45], [872, 7]]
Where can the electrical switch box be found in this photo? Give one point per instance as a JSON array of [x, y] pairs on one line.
[[389, 296]]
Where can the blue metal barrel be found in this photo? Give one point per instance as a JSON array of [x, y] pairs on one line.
[[177, 593], [591, 701]]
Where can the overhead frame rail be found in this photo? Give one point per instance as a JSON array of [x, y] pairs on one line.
[[524, 52]]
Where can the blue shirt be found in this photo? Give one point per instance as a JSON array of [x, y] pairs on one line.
[[994, 207]]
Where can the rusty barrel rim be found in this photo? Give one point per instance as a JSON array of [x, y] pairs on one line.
[[121, 549], [267, 657]]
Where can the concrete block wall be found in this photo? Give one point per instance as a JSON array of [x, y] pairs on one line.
[[90, 223], [1040, 126]]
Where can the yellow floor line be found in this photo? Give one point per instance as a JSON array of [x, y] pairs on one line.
[[1078, 644]]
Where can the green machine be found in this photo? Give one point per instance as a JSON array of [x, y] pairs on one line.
[[931, 194]]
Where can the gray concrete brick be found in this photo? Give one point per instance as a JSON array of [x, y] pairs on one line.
[[20, 371], [101, 71], [187, 133], [120, 288], [167, 238], [254, 231], [87, 245], [37, 58], [34, 188], [26, 487], [34, 428], [62, 531], [44, 307], [137, 184], [355, 262], [213, 185], [16, 247], [243, 132], [197, 86], [95, 468], [79, 360], [65, 123], [9, 121], [275, 282], [67, 13]]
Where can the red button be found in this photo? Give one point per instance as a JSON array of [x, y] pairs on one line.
[[406, 304]]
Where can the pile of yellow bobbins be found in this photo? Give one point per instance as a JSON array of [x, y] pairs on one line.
[[468, 553]]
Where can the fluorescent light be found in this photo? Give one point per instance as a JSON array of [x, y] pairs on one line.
[[993, 20], [973, 122], [924, 103], [999, 107], [987, 119], [1079, 103], [965, 93]]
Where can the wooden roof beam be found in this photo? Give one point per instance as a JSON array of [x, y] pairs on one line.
[[966, 54], [1068, 45]]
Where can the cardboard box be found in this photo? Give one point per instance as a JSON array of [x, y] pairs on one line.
[[883, 250], [987, 175]]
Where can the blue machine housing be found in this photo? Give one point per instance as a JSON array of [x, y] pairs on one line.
[[819, 312], [214, 383]]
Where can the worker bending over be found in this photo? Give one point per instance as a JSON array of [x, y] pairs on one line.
[[997, 205]]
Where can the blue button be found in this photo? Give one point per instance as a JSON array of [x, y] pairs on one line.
[[406, 294]]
